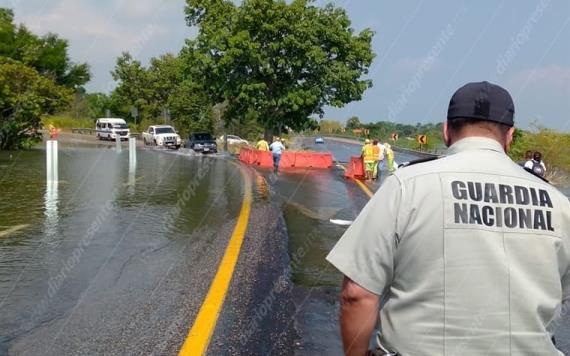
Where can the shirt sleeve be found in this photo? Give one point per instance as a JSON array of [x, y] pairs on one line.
[[365, 253], [528, 165]]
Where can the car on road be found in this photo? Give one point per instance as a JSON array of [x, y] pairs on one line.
[[202, 142], [107, 128], [162, 136], [234, 140], [319, 140]]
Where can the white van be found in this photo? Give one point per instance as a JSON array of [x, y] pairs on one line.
[[109, 128]]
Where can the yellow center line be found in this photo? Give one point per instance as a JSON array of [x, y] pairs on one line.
[[198, 339], [362, 186]]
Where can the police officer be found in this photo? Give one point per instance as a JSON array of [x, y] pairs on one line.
[[470, 252]]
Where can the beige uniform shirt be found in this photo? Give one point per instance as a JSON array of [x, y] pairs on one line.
[[471, 251]]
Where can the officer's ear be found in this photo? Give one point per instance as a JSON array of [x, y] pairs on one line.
[[445, 132], [509, 140]]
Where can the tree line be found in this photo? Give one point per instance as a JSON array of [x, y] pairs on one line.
[[260, 66]]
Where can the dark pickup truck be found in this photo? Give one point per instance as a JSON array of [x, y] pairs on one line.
[[202, 142]]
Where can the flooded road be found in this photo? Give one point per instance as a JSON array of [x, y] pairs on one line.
[[112, 258], [117, 259]]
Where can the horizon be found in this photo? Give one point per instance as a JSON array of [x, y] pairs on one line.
[[423, 53]]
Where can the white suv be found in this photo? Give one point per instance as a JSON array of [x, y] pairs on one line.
[[162, 135]]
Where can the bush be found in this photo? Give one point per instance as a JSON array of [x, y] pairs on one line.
[[66, 122]]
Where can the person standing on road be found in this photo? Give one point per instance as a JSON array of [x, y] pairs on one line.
[[379, 157], [470, 253], [536, 165], [368, 158], [277, 149], [262, 145], [390, 158]]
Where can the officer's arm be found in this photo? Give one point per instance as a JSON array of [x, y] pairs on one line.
[[358, 314]]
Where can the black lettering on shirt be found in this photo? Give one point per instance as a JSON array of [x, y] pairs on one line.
[[510, 217], [534, 197], [474, 215], [491, 195], [488, 213], [461, 214], [521, 195], [501, 210], [525, 219], [549, 220], [544, 198], [475, 192], [539, 221], [506, 193], [459, 191]]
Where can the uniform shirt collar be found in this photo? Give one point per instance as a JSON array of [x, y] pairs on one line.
[[475, 143]]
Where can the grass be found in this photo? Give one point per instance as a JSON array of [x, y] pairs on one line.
[[63, 122]]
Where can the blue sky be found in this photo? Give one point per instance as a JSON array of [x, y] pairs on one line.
[[425, 49]]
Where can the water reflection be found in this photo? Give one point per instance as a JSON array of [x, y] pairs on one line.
[[51, 209], [132, 177]]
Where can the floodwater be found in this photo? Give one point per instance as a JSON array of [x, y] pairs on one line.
[[106, 225]]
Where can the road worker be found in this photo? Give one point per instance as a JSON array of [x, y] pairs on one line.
[[377, 152], [368, 158], [262, 145], [470, 252], [390, 158]]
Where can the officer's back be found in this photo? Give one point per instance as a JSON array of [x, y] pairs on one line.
[[471, 251]]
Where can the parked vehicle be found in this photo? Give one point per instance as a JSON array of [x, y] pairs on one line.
[[234, 140], [202, 142], [111, 128], [319, 140], [162, 136]]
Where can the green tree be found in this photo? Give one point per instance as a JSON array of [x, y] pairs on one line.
[[164, 85], [282, 61], [353, 123], [25, 96], [47, 54], [330, 126]]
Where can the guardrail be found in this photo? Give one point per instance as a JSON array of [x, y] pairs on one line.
[[421, 154], [85, 131]]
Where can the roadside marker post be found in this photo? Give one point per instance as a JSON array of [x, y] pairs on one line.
[[52, 161], [132, 151], [118, 143]]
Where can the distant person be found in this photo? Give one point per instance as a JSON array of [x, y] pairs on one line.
[[262, 145], [392, 167], [527, 157], [380, 158], [536, 165], [368, 158], [277, 149]]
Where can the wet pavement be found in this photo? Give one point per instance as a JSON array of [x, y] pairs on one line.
[[117, 259]]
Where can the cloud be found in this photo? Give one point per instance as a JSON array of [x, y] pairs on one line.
[[410, 65], [98, 31], [551, 78]]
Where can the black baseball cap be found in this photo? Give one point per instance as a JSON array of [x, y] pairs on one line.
[[482, 101]]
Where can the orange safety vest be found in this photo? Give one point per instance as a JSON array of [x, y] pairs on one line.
[[376, 152]]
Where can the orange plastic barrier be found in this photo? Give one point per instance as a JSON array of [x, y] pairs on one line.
[[289, 159], [355, 168]]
